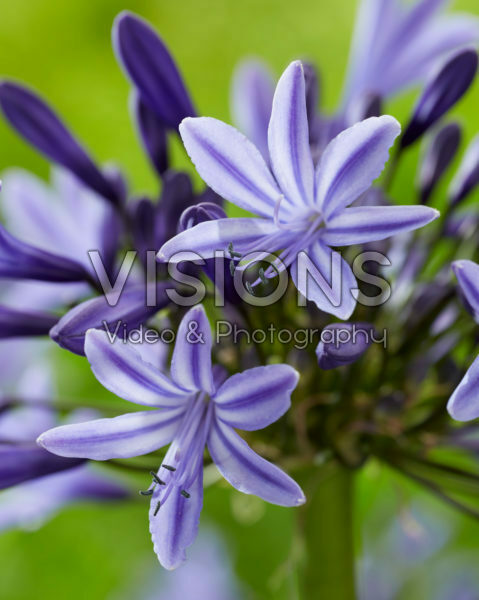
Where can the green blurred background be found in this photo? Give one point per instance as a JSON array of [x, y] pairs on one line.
[[63, 50]]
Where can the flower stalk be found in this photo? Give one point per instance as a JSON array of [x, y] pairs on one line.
[[326, 567]]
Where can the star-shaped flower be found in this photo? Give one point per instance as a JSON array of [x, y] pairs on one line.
[[197, 407], [304, 209]]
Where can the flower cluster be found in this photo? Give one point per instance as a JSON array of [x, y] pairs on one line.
[[319, 208]]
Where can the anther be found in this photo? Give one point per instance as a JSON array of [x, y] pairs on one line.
[[185, 494], [232, 267], [157, 508], [169, 468], [249, 287], [262, 276], [233, 254], [146, 492], [156, 478]]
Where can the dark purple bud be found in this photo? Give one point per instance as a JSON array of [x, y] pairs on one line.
[[134, 308], [40, 126], [467, 177], [19, 260], [441, 149], [467, 274], [177, 195], [205, 211], [447, 87], [19, 323], [22, 462], [148, 63], [343, 343], [152, 132], [143, 216]]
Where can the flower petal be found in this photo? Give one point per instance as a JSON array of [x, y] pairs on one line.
[[361, 224], [125, 436], [332, 280], [467, 273], [251, 102], [463, 405], [247, 471], [131, 310], [21, 462], [191, 361], [149, 65], [19, 323], [257, 397], [352, 161], [229, 163], [38, 124], [343, 344], [206, 238], [152, 132], [288, 138], [175, 526], [19, 260], [119, 368]]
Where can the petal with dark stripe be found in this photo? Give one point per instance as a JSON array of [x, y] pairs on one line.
[[361, 224], [257, 397], [191, 362], [174, 527], [230, 164], [247, 471], [121, 369], [288, 138], [125, 436]]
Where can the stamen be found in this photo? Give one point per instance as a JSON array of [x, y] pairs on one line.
[[232, 268], [249, 287], [169, 467], [156, 478], [157, 508], [233, 254], [185, 494], [146, 492]]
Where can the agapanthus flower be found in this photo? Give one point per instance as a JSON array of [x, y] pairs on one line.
[[304, 209], [196, 406], [464, 403]]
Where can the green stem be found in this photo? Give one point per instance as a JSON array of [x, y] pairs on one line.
[[327, 569]]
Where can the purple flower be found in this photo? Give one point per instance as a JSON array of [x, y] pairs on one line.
[[304, 209], [199, 406], [463, 405], [396, 45]]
